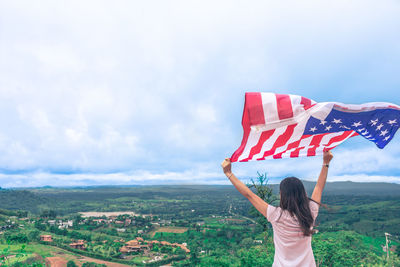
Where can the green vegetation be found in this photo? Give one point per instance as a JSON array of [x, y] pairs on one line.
[[215, 223]]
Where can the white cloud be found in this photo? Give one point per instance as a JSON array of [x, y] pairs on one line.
[[96, 86], [117, 178]]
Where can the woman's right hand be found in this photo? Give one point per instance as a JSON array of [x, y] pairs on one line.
[[226, 166], [328, 156]]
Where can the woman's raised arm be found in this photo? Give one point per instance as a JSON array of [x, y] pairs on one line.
[[319, 187], [257, 202]]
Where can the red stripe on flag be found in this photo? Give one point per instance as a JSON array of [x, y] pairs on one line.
[[254, 105], [282, 139], [339, 138], [315, 143], [257, 148], [235, 156], [296, 152], [289, 147], [284, 106], [352, 135], [305, 102], [246, 133]]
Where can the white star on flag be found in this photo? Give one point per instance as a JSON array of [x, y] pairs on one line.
[[392, 121], [313, 129], [356, 124], [383, 133], [337, 121], [322, 122], [374, 122], [379, 127]]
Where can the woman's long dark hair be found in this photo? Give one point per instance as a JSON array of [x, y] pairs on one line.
[[294, 199]]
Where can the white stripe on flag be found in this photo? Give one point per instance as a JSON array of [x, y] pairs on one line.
[[324, 141], [269, 144], [337, 143], [297, 134], [252, 140], [296, 105], [303, 143], [270, 107]]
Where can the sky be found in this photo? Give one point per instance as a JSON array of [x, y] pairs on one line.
[[152, 92]]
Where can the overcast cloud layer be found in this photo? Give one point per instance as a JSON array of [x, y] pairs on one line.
[[151, 92]]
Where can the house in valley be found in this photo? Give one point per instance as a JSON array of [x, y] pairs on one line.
[[46, 238]]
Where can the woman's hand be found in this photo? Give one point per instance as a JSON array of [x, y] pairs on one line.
[[226, 166], [328, 156], [257, 202], [319, 187]]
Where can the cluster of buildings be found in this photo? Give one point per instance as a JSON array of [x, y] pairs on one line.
[[139, 244], [122, 223], [79, 244], [231, 221], [61, 224], [127, 221], [9, 225], [135, 245]]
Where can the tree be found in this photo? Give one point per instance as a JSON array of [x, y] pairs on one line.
[[39, 225], [255, 256], [77, 219], [224, 261], [247, 242], [93, 264], [22, 213], [34, 235], [179, 251], [194, 259], [343, 248], [17, 238], [155, 248], [166, 249], [48, 214], [71, 264], [264, 191]]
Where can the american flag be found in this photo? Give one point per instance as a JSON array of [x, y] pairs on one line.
[[283, 126]]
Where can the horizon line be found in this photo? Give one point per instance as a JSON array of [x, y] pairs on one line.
[[181, 184]]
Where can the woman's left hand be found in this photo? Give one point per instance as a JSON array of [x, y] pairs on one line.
[[226, 166]]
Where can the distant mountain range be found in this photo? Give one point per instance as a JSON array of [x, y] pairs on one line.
[[332, 188], [353, 188]]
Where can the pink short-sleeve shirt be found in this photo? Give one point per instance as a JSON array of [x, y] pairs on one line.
[[292, 248]]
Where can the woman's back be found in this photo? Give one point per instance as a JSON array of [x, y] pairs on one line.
[[292, 248], [292, 234]]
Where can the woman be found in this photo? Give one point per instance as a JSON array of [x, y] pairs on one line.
[[293, 220]]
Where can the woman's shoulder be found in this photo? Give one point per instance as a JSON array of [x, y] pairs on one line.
[[313, 205], [273, 213], [314, 208]]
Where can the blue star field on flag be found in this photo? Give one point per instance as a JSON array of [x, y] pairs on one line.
[[378, 126]]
